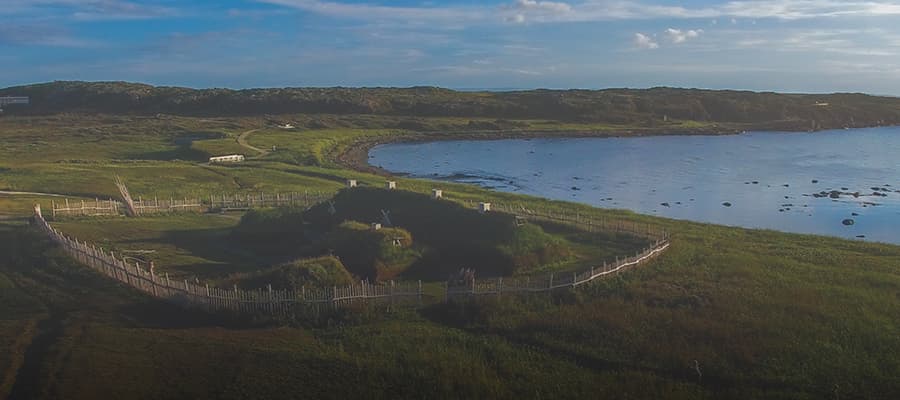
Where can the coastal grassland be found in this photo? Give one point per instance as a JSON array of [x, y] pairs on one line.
[[77, 137], [22, 205], [18, 322], [78, 155], [163, 179], [103, 340], [443, 237], [762, 314], [312, 147], [182, 245]]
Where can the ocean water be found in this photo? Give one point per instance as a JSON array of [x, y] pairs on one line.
[[756, 180]]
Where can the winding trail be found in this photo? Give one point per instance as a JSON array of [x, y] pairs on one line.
[[13, 193], [242, 140]]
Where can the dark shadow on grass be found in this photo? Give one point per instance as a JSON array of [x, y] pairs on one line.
[[319, 175], [183, 149], [161, 314]]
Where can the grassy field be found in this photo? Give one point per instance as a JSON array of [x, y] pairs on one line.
[[760, 314]]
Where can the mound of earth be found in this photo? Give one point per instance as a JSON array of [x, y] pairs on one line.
[[311, 272], [452, 236]]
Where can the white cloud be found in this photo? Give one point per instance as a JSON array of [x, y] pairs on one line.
[[517, 18], [680, 36], [522, 10], [89, 10], [643, 41], [542, 6], [379, 12], [871, 42], [42, 35], [599, 10]]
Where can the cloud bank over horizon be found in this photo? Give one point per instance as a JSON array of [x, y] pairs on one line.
[[787, 45]]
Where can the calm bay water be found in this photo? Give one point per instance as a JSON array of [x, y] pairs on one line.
[[769, 179]]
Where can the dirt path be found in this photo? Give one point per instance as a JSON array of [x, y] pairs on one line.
[[34, 194], [242, 140]]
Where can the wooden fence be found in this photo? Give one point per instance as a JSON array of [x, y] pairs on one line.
[[157, 205], [197, 295], [256, 200], [286, 301], [555, 280], [86, 208], [581, 221], [497, 286]]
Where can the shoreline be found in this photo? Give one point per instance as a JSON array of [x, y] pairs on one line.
[[361, 150], [356, 155]]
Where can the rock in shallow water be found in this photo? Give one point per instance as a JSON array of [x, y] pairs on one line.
[[848, 222], [726, 204]]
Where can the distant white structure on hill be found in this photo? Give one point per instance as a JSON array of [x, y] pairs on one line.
[[232, 158], [7, 100], [287, 126]]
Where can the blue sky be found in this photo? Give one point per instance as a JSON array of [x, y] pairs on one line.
[[788, 45]]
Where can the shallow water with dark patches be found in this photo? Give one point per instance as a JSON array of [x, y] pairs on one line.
[[773, 180]]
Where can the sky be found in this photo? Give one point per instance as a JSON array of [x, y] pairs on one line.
[[766, 45]]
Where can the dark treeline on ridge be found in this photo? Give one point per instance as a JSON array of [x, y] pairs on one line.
[[644, 107]]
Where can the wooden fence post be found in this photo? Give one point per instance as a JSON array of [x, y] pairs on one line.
[[419, 292]]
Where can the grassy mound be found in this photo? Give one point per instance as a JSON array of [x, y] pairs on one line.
[[456, 237], [378, 255], [275, 231], [320, 271]]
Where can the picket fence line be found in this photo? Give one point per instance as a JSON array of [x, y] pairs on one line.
[[269, 301], [586, 223], [497, 286], [222, 202], [196, 295], [86, 208]]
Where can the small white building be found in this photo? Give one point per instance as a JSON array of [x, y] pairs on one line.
[[391, 185], [287, 126], [351, 183], [484, 207], [437, 193], [231, 158]]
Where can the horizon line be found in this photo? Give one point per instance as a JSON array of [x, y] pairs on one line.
[[452, 88]]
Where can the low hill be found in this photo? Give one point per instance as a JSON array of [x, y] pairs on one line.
[[455, 237], [644, 107], [323, 271]]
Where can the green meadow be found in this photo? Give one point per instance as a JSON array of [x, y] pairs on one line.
[[724, 313]]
